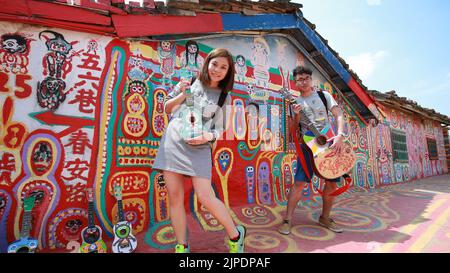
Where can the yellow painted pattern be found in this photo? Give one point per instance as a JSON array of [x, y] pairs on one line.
[[427, 236], [224, 177]]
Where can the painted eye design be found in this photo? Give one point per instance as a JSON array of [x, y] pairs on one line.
[[38, 194], [2, 202], [161, 182], [73, 223]]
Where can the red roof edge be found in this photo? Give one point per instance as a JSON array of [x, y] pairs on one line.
[[53, 11], [149, 25], [103, 30]]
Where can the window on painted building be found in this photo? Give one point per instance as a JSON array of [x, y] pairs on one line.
[[399, 147], [432, 149]]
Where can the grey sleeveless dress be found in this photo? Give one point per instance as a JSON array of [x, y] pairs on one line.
[[174, 154]]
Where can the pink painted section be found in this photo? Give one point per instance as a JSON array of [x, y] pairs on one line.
[[422, 226]]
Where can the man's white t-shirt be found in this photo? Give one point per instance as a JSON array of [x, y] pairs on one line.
[[315, 110]]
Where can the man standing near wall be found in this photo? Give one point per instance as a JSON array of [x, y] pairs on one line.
[[312, 104]]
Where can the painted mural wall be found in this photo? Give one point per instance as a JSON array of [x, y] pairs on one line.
[[85, 111], [417, 131]]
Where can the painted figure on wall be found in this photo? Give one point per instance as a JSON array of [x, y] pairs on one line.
[[241, 68], [238, 117], [263, 182], [14, 51], [14, 43], [160, 119], [190, 57], [383, 157], [40, 176], [57, 61], [92, 47], [260, 61], [57, 64], [166, 53], [140, 68], [51, 93], [250, 181], [253, 124]]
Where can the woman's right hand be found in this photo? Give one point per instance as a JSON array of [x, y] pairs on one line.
[[184, 85], [296, 108]]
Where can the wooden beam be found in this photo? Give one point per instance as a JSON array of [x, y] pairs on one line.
[[314, 54]]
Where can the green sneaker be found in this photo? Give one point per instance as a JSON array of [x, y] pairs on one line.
[[179, 248], [238, 247]]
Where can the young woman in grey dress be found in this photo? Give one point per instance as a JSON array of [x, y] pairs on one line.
[[179, 156]]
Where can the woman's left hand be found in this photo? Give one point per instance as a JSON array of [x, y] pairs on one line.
[[205, 137]]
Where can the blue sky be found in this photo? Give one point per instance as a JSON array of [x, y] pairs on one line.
[[401, 45]]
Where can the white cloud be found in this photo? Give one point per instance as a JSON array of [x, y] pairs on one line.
[[373, 2], [365, 64]]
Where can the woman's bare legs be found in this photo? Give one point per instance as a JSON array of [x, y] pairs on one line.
[[214, 205], [175, 188]]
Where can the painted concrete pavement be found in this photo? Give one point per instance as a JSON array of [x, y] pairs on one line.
[[411, 217]]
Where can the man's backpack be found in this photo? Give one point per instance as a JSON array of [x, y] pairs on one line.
[[323, 99]]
